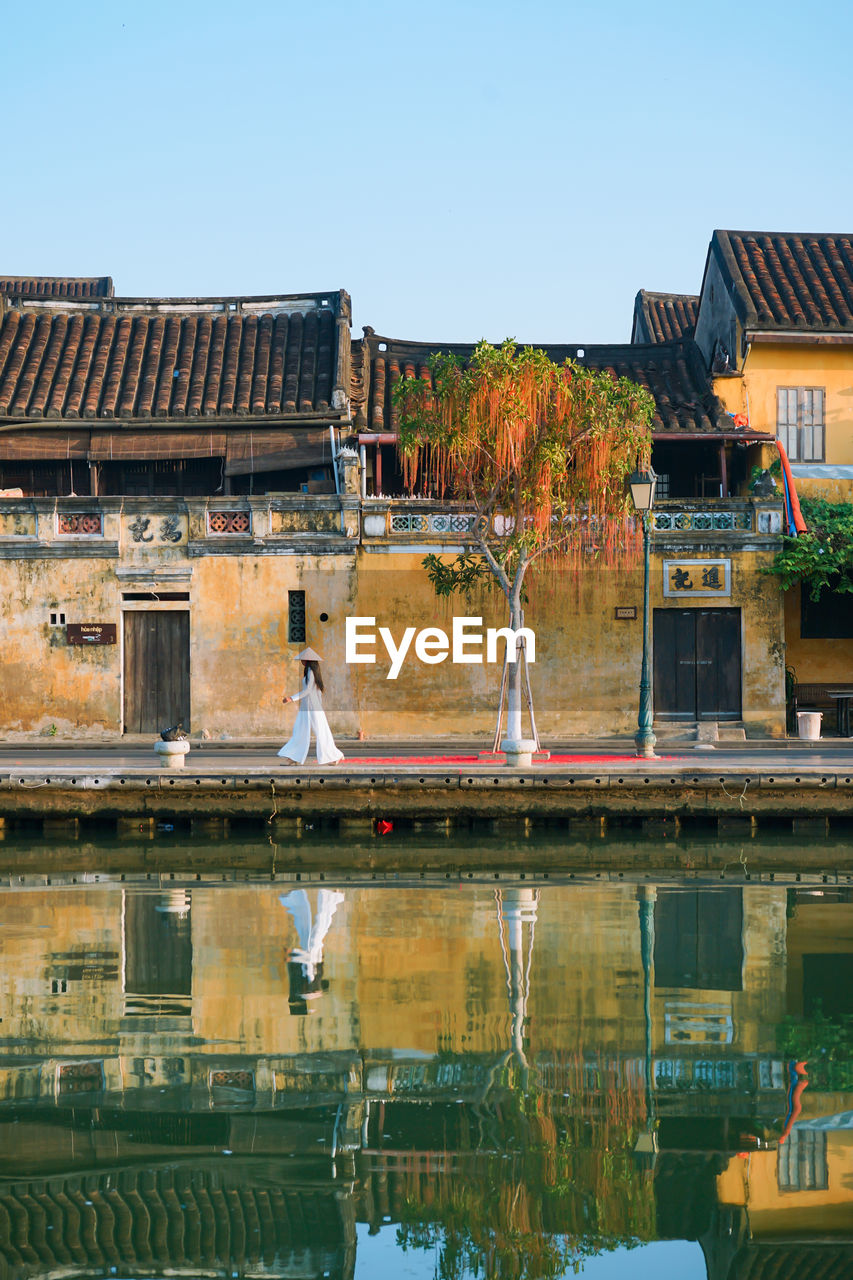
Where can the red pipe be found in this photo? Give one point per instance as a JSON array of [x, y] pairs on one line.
[[796, 513]]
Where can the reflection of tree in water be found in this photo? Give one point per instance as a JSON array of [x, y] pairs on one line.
[[541, 1173], [556, 1183]]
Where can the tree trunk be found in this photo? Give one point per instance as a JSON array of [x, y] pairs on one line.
[[513, 683]]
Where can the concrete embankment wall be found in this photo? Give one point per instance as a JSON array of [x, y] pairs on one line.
[[450, 796]]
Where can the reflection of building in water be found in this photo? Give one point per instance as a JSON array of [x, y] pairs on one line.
[[158, 954], [122, 978], [172, 1218], [820, 951], [150, 1032]]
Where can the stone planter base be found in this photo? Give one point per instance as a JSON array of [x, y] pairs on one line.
[[172, 754], [518, 752]]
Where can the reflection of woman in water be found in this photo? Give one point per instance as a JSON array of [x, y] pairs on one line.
[[305, 962], [310, 716]]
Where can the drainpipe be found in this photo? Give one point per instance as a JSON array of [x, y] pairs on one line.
[[337, 477]]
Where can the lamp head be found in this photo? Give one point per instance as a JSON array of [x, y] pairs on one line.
[[643, 489]]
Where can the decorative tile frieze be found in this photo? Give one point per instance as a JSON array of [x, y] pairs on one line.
[[88, 524], [229, 522]]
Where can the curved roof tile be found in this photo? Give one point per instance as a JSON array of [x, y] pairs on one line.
[[134, 364], [788, 281], [664, 317], [56, 286]]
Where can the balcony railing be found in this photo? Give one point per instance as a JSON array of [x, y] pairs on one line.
[[716, 516], [401, 518], [405, 519]]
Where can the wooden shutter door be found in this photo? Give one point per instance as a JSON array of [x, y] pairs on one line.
[[156, 670], [675, 663], [718, 664]]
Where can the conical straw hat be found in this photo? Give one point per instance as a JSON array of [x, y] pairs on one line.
[[308, 655]]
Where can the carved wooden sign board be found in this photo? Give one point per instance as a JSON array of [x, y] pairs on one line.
[[90, 633]]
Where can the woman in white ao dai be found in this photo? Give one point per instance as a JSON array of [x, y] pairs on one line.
[[310, 716]]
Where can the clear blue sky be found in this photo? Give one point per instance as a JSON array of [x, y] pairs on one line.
[[463, 169]]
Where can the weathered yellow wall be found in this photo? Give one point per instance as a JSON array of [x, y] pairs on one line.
[[772, 365], [240, 659], [45, 682], [586, 676], [815, 661], [584, 681]]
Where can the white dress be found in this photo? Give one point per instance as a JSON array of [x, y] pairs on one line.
[[311, 716], [312, 931]]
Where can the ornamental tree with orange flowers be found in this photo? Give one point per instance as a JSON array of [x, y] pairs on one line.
[[541, 451]]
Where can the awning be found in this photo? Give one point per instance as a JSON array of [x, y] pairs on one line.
[[139, 446], [37, 446], [286, 449], [272, 449]]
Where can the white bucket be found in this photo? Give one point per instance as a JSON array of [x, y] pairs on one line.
[[808, 724]]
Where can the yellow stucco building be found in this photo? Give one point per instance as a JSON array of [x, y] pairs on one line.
[[193, 489], [774, 325]]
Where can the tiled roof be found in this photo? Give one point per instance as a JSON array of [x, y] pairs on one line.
[[172, 358], [664, 317], [786, 281], [673, 372], [795, 1260], [56, 286]]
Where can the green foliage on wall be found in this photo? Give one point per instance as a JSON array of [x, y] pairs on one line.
[[823, 557]]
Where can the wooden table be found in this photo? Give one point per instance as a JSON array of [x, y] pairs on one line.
[[841, 698]]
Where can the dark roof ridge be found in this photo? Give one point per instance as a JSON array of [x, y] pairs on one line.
[[665, 293], [731, 231], [631, 349], [333, 298]]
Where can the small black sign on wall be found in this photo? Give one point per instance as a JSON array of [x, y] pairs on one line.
[[90, 633], [625, 611]]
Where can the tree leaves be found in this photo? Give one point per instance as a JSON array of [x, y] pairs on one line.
[[541, 450], [823, 557]]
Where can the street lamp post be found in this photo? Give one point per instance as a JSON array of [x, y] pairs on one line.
[[643, 494]]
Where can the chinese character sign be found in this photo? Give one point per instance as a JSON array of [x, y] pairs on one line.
[[705, 578], [156, 532]]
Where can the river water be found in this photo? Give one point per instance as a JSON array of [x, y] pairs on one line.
[[363, 1074]]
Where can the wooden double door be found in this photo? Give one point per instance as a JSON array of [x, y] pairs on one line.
[[697, 664], [156, 670]]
